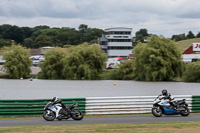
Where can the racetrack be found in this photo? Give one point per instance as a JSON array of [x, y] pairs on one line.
[[99, 120]]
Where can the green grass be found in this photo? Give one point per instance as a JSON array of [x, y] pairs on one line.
[[172, 127], [185, 44]]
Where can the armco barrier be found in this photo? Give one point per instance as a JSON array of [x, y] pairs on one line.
[[33, 107], [93, 105], [130, 104]]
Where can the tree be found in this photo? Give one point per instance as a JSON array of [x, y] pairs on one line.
[[198, 35], [91, 35], [42, 40], [179, 37], [192, 72], [69, 36], [82, 28], [13, 33], [140, 36], [4, 42], [190, 35], [52, 67], [157, 60], [17, 61], [84, 62], [27, 32], [41, 27], [28, 42]]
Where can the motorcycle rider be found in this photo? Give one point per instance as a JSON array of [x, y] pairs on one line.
[[168, 96], [55, 100]]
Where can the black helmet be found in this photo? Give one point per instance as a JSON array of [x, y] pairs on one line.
[[54, 99], [164, 92]]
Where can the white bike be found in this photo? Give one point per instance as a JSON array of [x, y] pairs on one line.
[[53, 111]]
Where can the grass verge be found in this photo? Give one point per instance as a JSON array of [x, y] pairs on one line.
[[173, 127]]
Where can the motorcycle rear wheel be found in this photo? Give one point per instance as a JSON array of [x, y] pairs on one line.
[[157, 112], [78, 115], [49, 117], [185, 112]]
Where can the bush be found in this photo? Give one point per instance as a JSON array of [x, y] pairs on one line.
[[192, 72], [105, 75], [124, 72]]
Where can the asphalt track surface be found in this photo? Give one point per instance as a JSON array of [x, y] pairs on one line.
[[99, 120]]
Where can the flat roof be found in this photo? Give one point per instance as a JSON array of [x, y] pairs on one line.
[[118, 28]]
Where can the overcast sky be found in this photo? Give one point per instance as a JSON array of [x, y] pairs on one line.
[[161, 17]]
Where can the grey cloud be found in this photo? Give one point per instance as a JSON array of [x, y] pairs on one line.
[[99, 13], [95, 9]]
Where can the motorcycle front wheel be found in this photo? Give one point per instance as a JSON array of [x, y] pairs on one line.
[[185, 112], [78, 115], [49, 115], [157, 112]]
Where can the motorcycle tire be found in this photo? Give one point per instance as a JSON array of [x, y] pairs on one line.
[[78, 115], [156, 112], [185, 112], [49, 117]]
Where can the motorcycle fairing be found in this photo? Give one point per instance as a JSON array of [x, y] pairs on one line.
[[170, 111]]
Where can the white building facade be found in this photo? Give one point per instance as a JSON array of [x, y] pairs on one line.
[[116, 42]]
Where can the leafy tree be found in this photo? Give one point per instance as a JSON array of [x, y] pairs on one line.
[[69, 36], [28, 42], [4, 27], [91, 35], [84, 62], [198, 35], [192, 72], [190, 35], [42, 40], [27, 32], [41, 27], [13, 33], [52, 34], [83, 28], [140, 36], [67, 46], [157, 60], [52, 67], [179, 37], [17, 61], [4, 42]]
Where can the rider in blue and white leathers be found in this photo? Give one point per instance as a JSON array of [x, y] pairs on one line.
[[168, 97]]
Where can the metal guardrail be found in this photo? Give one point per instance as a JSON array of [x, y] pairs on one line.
[[127, 105], [93, 105]]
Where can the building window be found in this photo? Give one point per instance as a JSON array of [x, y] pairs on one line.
[[103, 43], [119, 40], [118, 33], [119, 48]]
